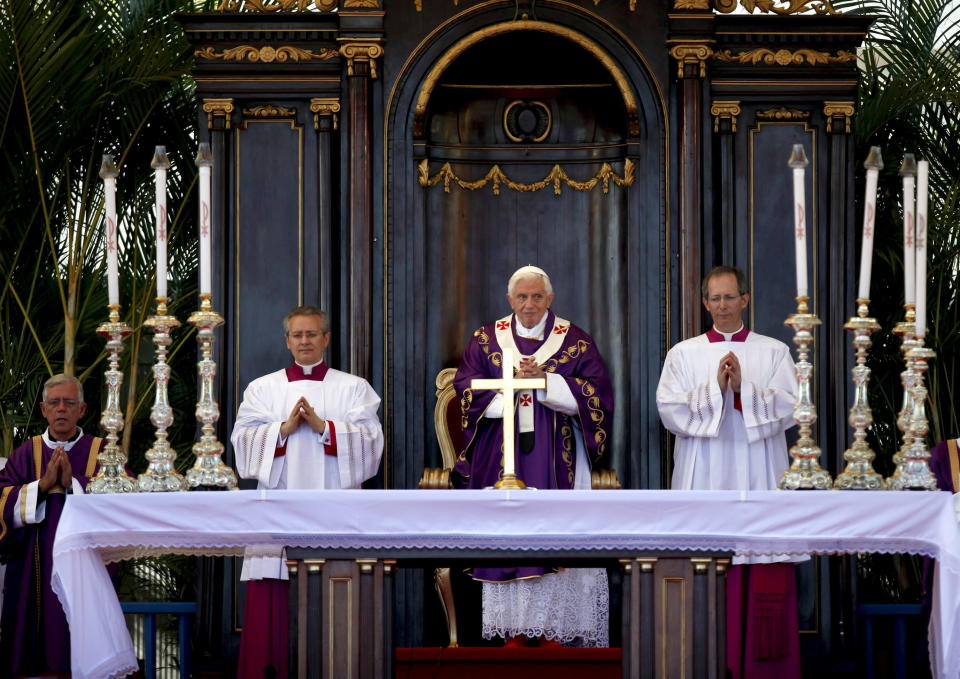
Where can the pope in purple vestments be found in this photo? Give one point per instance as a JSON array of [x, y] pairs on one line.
[[34, 484], [570, 419]]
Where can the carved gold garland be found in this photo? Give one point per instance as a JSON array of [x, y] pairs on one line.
[[269, 111], [784, 57], [557, 178], [783, 113], [266, 54], [770, 6]]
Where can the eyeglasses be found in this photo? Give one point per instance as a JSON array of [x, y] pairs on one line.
[[55, 402], [301, 335]]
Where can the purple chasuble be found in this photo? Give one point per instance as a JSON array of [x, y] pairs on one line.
[[552, 461], [35, 638]]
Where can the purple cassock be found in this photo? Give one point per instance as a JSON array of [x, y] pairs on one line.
[[34, 637], [549, 461]]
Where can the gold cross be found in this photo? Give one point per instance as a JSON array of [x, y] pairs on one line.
[[509, 385]]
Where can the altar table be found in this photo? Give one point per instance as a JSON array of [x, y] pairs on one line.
[[97, 529]]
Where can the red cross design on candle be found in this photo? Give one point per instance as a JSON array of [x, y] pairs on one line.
[[800, 231], [922, 232], [526, 400], [868, 227], [503, 325], [205, 221], [560, 329], [162, 224], [111, 236]]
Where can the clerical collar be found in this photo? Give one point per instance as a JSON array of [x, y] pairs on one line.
[[536, 332], [66, 445], [315, 372], [740, 335]]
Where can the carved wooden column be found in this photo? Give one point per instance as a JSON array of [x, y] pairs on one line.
[[725, 115], [341, 618], [673, 611], [691, 56], [326, 121], [361, 60]]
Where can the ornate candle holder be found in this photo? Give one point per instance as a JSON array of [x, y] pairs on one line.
[[112, 475], [805, 473], [906, 331], [208, 471], [859, 473], [160, 474], [913, 460]]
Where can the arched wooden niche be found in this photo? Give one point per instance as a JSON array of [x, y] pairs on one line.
[[567, 90]]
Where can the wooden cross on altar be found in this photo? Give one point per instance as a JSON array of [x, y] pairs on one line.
[[509, 385]]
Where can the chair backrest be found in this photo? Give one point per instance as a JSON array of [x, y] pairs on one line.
[[446, 418]]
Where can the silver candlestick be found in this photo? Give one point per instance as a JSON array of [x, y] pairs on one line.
[[208, 470], [913, 462], [805, 473], [906, 331], [859, 473], [112, 475], [161, 474]]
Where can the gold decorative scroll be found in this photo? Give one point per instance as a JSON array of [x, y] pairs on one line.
[[784, 57], [277, 5], [783, 113], [418, 4], [691, 4], [361, 4], [770, 6], [556, 178], [265, 54], [269, 111]]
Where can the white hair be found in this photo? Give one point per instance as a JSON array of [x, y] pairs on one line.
[[525, 273], [57, 380]]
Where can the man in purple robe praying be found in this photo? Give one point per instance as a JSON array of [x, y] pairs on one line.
[[561, 431], [34, 485]]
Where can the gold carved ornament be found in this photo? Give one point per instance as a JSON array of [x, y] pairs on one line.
[[265, 54], [770, 6], [276, 5], [418, 4], [783, 113], [269, 111], [557, 178], [725, 110], [695, 53], [838, 110], [784, 57], [361, 52], [324, 107], [218, 108]]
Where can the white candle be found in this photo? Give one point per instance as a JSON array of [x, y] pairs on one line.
[[873, 164], [908, 170], [798, 161], [509, 466], [109, 173], [160, 164], [204, 163], [923, 170]]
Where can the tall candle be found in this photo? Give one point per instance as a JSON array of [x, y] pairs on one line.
[[908, 170], [923, 170], [109, 174], [798, 161], [160, 164], [204, 164], [873, 164]]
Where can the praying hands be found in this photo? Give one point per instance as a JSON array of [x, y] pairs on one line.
[[728, 374], [58, 473], [302, 413]]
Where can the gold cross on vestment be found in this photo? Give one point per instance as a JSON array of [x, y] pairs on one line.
[[509, 385]]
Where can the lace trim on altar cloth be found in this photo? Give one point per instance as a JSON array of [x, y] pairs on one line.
[[571, 607]]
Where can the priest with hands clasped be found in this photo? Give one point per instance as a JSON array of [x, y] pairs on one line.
[[560, 432], [728, 396], [305, 427]]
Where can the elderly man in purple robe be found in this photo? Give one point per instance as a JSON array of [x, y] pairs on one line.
[[34, 484], [561, 432]]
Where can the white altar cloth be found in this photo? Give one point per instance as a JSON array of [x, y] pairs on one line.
[[95, 529]]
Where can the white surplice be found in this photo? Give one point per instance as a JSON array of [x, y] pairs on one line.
[[719, 447], [349, 406]]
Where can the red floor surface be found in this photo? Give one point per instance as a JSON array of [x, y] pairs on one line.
[[507, 663]]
